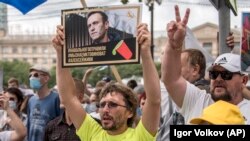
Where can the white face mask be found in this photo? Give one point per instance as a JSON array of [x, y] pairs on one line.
[[12, 105]]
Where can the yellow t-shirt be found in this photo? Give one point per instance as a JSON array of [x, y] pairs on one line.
[[90, 130]]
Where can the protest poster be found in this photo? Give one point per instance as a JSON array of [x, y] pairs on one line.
[[101, 35], [245, 42]]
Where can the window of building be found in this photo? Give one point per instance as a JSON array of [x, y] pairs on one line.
[[34, 60], [45, 61], [54, 61], [45, 49], [6, 49], [208, 46], [14, 50], [25, 50], [34, 49]]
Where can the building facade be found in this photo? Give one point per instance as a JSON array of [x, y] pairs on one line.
[[207, 36], [3, 20], [37, 49], [34, 49]]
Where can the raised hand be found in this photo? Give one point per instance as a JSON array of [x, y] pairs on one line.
[[177, 29], [4, 101], [89, 70], [143, 37], [230, 40], [58, 40]]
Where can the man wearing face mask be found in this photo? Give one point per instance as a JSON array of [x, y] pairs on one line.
[[43, 106], [15, 100]]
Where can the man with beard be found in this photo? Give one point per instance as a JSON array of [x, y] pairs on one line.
[[117, 102], [226, 84]]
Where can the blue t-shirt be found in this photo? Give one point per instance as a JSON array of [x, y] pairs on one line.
[[40, 112]]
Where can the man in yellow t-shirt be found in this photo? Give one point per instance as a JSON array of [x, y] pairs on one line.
[[118, 103]]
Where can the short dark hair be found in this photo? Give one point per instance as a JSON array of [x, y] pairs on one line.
[[129, 96], [132, 83], [18, 93], [104, 15], [195, 56]]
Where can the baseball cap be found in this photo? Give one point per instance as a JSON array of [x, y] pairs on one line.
[[228, 61], [220, 112], [40, 68]]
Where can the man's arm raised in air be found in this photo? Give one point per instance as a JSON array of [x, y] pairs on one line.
[[171, 61], [65, 83], [151, 110]]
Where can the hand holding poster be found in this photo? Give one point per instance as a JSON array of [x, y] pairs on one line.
[[101, 35]]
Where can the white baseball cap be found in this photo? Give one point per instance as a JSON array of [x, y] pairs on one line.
[[228, 61], [40, 68]]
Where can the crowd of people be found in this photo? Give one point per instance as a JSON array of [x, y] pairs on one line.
[[132, 111]]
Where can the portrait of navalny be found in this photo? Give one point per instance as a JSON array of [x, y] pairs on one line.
[[100, 35]]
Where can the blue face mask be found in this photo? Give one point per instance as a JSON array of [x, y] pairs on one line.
[[35, 83], [91, 107]]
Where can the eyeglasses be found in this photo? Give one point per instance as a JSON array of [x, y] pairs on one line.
[[111, 105], [226, 75], [36, 75]]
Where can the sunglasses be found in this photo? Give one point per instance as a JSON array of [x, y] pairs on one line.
[[111, 105], [36, 75], [226, 75]]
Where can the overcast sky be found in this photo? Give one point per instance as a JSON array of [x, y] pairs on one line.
[[43, 19]]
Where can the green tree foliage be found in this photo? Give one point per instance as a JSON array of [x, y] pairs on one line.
[[125, 71], [20, 70], [124, 1], [17, 69], [52, 81], [127, 1]]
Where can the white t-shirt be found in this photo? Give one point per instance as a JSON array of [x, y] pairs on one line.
[[165, 102], [5, 135], [196, 100], [166, 115]]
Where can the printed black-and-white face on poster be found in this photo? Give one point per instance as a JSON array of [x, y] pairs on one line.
[[101, 35], [245, 42]]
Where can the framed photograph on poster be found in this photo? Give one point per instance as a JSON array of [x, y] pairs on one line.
[[101, 35], [245, 42]]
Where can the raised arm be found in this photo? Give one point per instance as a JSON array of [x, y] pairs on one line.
[[85, 80], [15, 122], [65, 82], [171, 61], [151, 110]]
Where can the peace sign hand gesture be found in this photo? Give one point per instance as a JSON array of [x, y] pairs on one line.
[[177, 29]]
